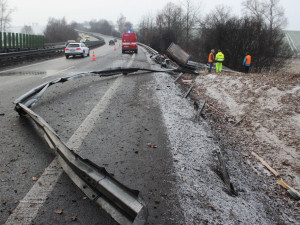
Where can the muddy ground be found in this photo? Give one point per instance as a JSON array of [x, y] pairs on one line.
[[257, 113]]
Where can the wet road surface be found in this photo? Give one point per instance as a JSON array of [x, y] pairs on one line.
[[117, 140]]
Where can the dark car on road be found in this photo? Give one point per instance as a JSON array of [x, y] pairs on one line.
[[111, 42]]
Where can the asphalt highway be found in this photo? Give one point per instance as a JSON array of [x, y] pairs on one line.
[[110, 121]]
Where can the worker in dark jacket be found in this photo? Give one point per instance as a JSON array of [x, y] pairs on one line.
[[247, 62], [211, 59]]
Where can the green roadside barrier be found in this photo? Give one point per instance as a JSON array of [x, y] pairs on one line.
[[9, 40]]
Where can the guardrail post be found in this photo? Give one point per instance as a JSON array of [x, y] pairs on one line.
[[1, 46], [17, 41], [43, 41], [4, 41], [31, 41], [13, 40], [27, 40], [9, 40], [38, 38], [24, 41], [20, 41]]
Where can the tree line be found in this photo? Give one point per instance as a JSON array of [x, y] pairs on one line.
[[259, 32], [57, 30]]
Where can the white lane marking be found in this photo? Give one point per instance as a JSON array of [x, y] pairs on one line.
[[131, 60], [29, 206], [22, 67], [83, 130], [71, 67]]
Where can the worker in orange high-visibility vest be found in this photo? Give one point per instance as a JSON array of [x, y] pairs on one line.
[[211, 59], [247, 62]]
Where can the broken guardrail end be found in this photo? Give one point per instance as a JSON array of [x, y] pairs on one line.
[[120, 202]]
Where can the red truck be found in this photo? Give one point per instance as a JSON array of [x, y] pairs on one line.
[[129, 42]]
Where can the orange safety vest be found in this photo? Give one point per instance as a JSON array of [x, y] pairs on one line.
[[211, 57], [248, 60]]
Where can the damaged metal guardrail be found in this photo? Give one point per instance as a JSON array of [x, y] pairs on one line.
[[7, 57], [123, 204], [189, 67]]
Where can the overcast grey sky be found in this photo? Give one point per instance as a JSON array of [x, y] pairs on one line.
[[29, 12]]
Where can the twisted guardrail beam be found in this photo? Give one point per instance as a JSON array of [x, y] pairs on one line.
[[122, 203]]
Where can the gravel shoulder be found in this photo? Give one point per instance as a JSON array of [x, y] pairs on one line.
[[243, 114], [257, 113]]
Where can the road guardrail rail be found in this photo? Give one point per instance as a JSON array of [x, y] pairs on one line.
[[57, 49], [122, 203]]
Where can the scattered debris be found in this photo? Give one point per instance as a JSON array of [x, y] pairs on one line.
[[188, 92], [58, 211], [74, 218], [265, 164], [186, 81], [19, 218], [215, 109], [84, 198], [197, 168], [34, 178], [178, 77], [199, 106], [24, 171], [238, 122], [4, 171], [291, 190], [151, 145], [227, 181], [3, 202], [2, 114], [286, 163]]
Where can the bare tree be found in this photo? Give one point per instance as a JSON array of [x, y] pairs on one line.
[[101, 26], [235, 36], [192, 15], [268, 10], [121, 23], [5, 15], [254, 9], [27, 30], [220, 14], [128, 25], [58, 31], [274, 14]]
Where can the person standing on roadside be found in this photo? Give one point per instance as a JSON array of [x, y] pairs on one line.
[[247, 62], [211, 59], [219, 60]]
